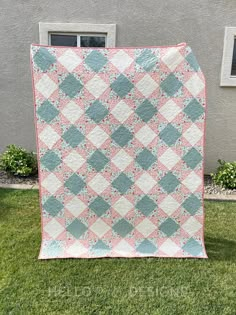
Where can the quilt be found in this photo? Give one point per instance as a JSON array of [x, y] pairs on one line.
[[120, 143]]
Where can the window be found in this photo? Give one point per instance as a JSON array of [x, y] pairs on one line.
[[233, 68], [77, 34], [228, 67], [77, 40]]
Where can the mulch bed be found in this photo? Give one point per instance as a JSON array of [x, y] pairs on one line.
[[209, 186], [10, 179]]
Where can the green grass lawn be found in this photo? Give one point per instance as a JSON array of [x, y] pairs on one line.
[[113, 286]]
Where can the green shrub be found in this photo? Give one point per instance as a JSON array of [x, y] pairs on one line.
[[17, 161], [225, 175]]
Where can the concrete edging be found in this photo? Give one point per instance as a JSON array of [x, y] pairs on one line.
[[19, 186], [219, 197], [206, 196]]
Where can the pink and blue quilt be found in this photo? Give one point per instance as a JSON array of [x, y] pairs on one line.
[[120, 141]]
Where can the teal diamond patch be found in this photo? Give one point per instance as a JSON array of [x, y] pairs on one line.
[[99, 206], [76, 228], [146, 205], [192, 158], [146, 111], [192, 247], [47, 111], [146, 247], [53, 206], [145, 159], [95, 60], [169, 135], [123, 227], [75, 184], [122, 183], [50, 160], [43, 59], [100, 247], [97, 111], [171, 85], [169, 182], [192, 204], [191, 59], [71, 86], [122, 86], [122, 136], [73, 136], [169, 227], [147, 60], [194, 110], [98, 160]]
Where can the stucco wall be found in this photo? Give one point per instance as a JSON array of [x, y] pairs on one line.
[[153, 22]]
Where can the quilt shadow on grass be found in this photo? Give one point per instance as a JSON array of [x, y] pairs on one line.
[[9, 198], [220, 249], [5, 204]]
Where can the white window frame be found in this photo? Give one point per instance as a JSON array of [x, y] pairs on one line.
[[226, 78], [109, 30]]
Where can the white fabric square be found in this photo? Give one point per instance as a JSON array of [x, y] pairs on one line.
[[193, 134], [97, 136], [123, 206], [169, 247], [192, 181], [77, 249], [194, 85], [145, 182], [147, 85], [96, 86], [54, 228], [121, 111], [123, 248], [146, 227], [100, 228], [172, 58], [72, 112], [51, 183], [49, 137], [99, 183], [170, 110], [169, 205], [169, 158], [46, 86], [121, 60], [122, 160], [74, 160], [145, 135], [70, 60], [75, 206], [192, 226]]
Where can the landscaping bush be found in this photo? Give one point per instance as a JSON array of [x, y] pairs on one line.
[[225, 175], [17, 161]]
